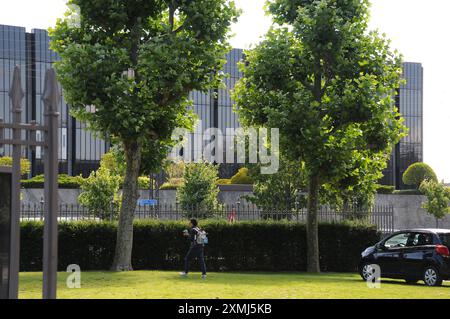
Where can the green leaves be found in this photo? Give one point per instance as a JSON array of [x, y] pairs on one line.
[[118, 36], [328, 84], [438, 198], [198, 194]]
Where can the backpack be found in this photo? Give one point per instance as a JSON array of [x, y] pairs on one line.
[[201, 238]]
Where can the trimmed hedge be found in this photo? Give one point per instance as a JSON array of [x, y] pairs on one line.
[[417, 173], [73, 182], [408, 192], [385, 189], [64, 181], [242, 177], [243, 246]]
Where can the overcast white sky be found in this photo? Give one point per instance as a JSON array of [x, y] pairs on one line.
[[418, 29]]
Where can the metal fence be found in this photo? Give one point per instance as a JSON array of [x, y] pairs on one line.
[[381, 216]]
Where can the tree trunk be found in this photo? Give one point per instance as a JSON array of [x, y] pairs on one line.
[[124, 245], [312, 228]]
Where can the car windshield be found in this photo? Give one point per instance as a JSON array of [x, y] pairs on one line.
[[445, 239]]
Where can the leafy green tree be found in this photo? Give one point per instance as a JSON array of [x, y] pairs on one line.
[[127, 70], [328, 84], [418, 173], [438, 199], [198, 194]]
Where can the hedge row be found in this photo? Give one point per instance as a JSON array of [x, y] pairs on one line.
[[64, 181], [244, 246], [71, 182]]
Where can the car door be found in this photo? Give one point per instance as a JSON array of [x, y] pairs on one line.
[[418, 249], [389, 254]]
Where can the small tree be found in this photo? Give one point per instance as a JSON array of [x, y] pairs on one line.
[[100, 194], [417, 173], [438, 199], [100, 191], [198, 194]]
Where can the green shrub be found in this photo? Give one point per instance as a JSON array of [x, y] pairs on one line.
[[385, 189], [223, 181], [100, 194], [417, 173], [242, 246], [282, 190], [198, 194], [407, 192], [174, 169], [242, 177], [25, 165], [172, 184], [64, 181]]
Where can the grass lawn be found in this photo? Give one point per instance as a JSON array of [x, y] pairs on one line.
[[164, 284]]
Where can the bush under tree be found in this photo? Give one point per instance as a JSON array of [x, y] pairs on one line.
[[197, 196], [282, 191], [100, 191]]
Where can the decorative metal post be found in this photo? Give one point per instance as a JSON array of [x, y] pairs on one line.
[[50, 144], [51, 99], [16, 95]]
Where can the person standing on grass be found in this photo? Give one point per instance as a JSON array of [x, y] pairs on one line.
[[197, 240]]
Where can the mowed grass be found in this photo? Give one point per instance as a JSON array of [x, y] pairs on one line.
[[164, 284]]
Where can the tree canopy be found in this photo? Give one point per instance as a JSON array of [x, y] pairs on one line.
[[328, 84], [127, 68]]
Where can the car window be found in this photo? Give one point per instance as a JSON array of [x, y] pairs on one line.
[[445, 239], [419, 239], [397, 241]]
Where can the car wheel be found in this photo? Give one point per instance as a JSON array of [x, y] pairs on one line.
[[431, 276], [367, 271]]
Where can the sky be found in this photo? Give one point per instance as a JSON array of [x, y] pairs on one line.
[[418, 29]]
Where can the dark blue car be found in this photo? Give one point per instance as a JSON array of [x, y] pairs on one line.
[[413, 255]]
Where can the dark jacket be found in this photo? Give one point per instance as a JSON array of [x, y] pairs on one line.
[[193, 236]]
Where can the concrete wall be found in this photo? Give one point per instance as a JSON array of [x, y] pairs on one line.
[[408, 212], [229, 194]]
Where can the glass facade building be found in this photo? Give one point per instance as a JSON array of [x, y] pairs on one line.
[[410, 104], [80, 151]]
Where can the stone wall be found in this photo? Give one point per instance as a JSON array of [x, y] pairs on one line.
[[408, 212]]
